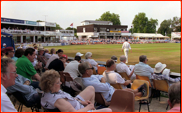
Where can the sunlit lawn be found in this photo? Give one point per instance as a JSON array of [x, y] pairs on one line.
[[168, 53]]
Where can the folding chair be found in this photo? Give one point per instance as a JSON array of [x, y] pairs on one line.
[[135, 85], [94, 72], [161, 85], [99, 98], [23, 101], [117, 86], [122, 101], [124, 75], [101, 70]]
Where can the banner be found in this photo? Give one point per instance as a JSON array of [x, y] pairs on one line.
[[12, 20]]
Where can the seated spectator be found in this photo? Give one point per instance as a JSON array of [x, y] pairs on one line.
[[36, 49], [64, 59], [72, 67], [100, 84], [79, 54], [40, 56], [122, 67], [22, 85], [160, 73], [88, 57], [3, 52], [53, 97], [9, 52], [142, 68], [25, 67], [18, 54], [46, 54], [53, 51], [114, 58], [57, 65], [8, 75], [174, 94], [4, 45], [58, 54]]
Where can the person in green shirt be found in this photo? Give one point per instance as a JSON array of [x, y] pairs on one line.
[[25, 67]]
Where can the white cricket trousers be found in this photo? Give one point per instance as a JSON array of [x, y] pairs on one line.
[[126, 54]]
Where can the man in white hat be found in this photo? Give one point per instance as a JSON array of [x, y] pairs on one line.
[[4, 45], [160, 73]]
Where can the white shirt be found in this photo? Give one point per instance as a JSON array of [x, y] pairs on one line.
[[6, 104], [126, 45], [92, 62], [72, 69], [114, 78], [122, 67], [47, 55]]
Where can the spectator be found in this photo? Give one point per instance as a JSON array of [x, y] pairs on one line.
[[100, 84], [22, 85], [114, 58], [9, 52], [160, 73], [142, 68], [56, 98], [36, 49], [174, 97], [3, 52], [79, 54], [8, 75], [64, 59], [57, 65], [4, 45], [88, 57], [54, 56], [40, 56], [18, 54], [47, 55], [25, 67], [122, 67], [53, 51], [72, 67]]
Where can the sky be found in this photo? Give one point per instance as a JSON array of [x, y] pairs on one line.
[[66, 12]]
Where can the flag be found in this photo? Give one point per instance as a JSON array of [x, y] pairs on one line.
[[71, 25]]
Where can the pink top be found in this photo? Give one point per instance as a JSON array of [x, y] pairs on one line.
[[175, 109]]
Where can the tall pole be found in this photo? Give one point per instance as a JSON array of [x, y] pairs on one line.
[[45, 23]]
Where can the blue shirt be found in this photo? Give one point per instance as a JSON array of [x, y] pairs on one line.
[[143, 69], [105, 88], [19, 86]]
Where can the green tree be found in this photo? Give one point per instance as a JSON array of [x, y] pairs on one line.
[[75, 30], [107, 16], [58, 27], [140, 23], [151, 25], [165, 28], [176, 24], [39, 21]]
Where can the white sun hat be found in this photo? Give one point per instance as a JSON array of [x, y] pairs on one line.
[[159, 67], [4, 44], [166, 72], [79, 54]]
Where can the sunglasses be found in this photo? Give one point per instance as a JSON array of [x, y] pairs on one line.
[[90, 68]]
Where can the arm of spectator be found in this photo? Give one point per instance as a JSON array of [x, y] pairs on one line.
[[103, 80], [172, 79], [127, 82], [37, 76]]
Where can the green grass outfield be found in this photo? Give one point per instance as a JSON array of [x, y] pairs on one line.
[[168, 53]]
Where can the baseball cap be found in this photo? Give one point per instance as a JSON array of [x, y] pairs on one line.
[[79, 54]]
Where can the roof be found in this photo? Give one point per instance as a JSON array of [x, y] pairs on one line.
[[148, 35], [93, 21]]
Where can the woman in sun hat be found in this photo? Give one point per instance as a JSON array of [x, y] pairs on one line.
[[161, 73]]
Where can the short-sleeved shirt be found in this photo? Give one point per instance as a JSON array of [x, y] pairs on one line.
[[113, 78], [92, 62], [48, 100], [56, 65], [25, 67]]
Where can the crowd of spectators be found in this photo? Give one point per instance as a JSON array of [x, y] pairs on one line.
[[38, 70]]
